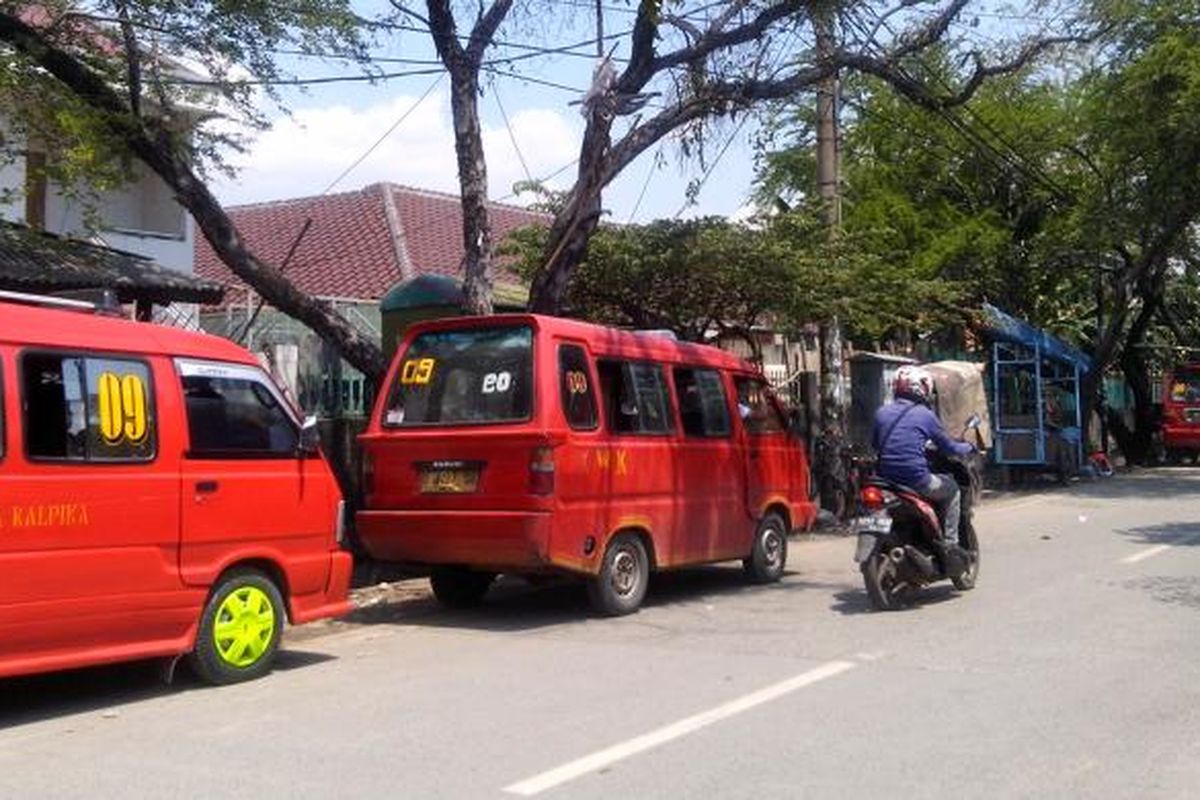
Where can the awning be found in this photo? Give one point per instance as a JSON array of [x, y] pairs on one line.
[[40, 263], [1006, 328]]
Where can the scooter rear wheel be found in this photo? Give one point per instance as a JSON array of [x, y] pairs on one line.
[[885, 590]]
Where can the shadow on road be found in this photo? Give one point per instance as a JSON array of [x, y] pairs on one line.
[[514, 605], [1174, 533], [853, 602], [106, 689], [1157, 483]]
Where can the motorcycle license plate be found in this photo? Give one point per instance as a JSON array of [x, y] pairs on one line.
[[874, 523]]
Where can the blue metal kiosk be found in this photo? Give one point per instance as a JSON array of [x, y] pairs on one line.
[[1035, 397]]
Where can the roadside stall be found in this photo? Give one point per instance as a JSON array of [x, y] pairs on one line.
[[1035, 397]]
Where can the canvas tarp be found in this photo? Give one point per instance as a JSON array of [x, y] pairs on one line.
[[961, 393]]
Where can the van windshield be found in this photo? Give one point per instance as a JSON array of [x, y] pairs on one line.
[[481, 375], [1185, 387]]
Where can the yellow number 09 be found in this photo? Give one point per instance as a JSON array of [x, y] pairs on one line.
[[417, 371], [122, 408]]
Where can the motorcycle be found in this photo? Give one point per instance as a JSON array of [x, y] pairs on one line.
[[900, 547]]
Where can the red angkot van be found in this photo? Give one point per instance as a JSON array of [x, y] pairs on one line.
[[158, 496], [528, 444], [1181, 412]]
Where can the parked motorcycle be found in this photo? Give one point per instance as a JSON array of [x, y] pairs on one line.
[[900, 548]]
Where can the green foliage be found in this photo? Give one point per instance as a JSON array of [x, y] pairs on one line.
[[204, 67], [691, 276]]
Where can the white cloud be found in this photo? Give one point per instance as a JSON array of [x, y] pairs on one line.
[[301, 155]]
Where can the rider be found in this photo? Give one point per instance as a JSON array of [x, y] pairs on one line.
[[901, 432]]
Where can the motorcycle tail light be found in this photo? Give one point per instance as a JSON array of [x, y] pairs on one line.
[[872, 497]]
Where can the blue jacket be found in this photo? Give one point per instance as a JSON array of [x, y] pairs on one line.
[[902, 456]]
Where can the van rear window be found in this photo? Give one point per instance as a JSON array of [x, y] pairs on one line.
[[1185, 387], [471, 376]]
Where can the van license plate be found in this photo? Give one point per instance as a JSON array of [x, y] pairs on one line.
[[449, 481]]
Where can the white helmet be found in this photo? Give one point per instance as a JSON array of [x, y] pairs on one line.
[[914, 383]]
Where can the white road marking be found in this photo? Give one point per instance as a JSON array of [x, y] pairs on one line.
[[611, 755], [1142, 555]]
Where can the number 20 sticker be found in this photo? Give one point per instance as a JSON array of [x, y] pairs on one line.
[[495, 382], [122, 401]]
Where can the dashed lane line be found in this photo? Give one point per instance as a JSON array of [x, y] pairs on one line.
[[631, 747], [1149, 552]]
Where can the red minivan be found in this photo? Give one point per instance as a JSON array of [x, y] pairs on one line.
[[158, 496], [529, 444], [1181, 412]]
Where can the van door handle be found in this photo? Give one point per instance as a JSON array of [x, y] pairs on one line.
[[206, 487]]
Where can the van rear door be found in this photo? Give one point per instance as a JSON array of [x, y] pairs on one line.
[[455, 429]]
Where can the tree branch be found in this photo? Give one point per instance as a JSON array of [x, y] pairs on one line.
[[153, 144], [485, 29]]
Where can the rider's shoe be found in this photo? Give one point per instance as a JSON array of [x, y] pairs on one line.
[[955, 559]]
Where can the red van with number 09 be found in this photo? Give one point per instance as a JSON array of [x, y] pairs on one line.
[[527, 444], [158, 497]]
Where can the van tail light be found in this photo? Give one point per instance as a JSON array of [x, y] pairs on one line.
[[339, 522], [541, 471], [873, 498]]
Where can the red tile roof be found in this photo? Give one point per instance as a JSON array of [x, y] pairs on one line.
[[360, 244]]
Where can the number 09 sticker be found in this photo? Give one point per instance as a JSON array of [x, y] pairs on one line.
[[417, 371], [122, 400]]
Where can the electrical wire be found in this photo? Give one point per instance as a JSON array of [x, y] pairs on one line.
[[407, 113]]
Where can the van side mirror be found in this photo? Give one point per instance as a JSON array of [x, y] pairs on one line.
[[310, 438]]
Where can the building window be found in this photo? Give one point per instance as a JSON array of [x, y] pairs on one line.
[[757, 408], [578, 396], [703, 407], [635, 397], [79, 408]]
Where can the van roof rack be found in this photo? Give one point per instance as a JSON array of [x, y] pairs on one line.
[[106, 305], [665, 333]]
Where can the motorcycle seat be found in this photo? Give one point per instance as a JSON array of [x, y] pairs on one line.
[[883, 483]]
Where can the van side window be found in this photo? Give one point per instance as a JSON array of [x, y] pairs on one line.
[[236, 417], [703, 408], [759, 414], [635, 397], [578, 397], [78, 408]]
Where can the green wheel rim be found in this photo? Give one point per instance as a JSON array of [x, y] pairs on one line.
[[244, 626]]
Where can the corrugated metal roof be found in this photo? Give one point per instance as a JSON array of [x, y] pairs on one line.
[[37, 262]]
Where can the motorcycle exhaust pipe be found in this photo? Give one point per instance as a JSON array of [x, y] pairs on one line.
[[924, 563]]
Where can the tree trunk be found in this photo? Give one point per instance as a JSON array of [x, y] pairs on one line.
[[157, 147], [574, 225], [472, 177], [463, 64]]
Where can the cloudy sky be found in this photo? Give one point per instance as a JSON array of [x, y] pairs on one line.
[[331, 126]]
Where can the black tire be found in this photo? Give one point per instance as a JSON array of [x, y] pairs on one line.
[[256, 626], [879, 576], [768, 554], [458, 587], [970, 543], [624, 576]]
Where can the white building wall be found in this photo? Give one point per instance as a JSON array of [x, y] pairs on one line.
[[141, 217]]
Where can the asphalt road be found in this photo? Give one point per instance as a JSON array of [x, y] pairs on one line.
[[1073, 670]]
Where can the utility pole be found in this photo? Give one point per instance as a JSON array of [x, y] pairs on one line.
[[833, 386]]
